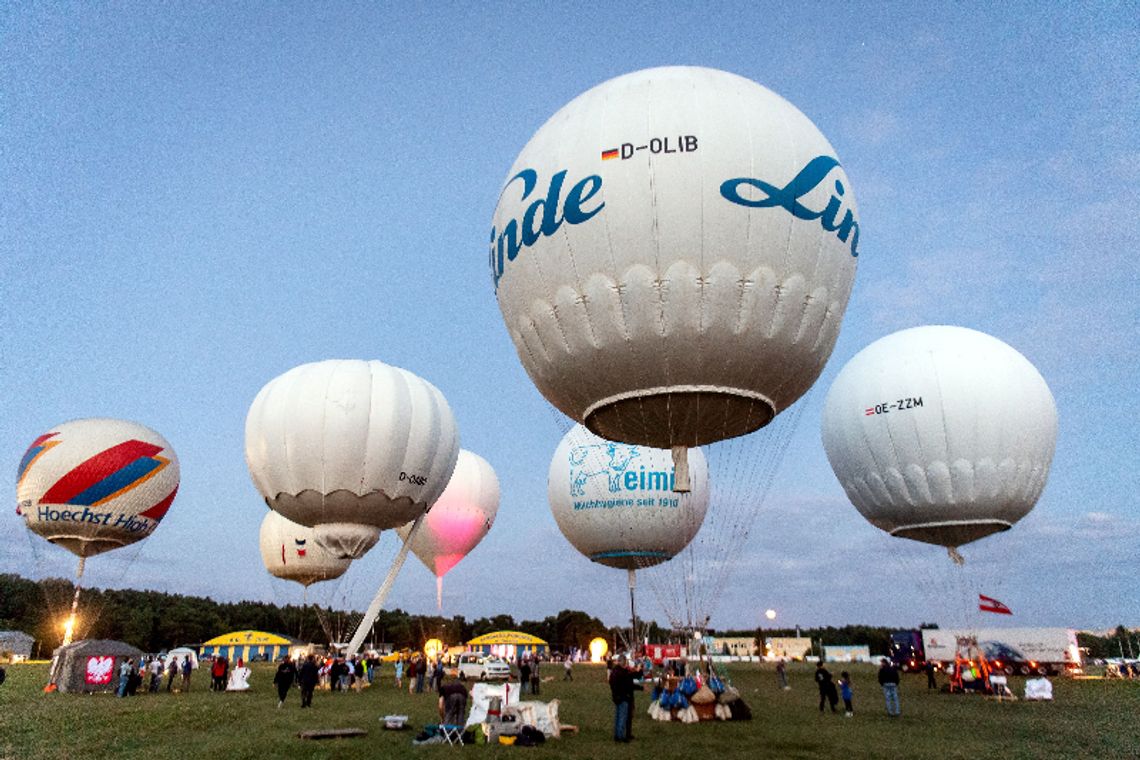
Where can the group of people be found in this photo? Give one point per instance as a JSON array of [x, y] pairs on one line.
[[132, 673], [308, 676], [529, 678], [223, 678], [829, 695], [419, 669]]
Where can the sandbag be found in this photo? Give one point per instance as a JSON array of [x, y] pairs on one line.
[[703, 696]]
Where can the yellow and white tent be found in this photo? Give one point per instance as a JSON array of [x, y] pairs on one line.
[[249, 645], [510, 644]]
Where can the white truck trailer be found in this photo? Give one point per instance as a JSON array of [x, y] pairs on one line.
[[1024, 651]]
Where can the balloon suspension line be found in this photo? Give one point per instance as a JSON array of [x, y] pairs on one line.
[[301, 617], [382, 593], [439, 593], [954, 555], [69, 626], [633, 638]]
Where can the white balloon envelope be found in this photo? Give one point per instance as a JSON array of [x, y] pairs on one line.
[[93, 485], [940, 434], [460, 518], [290, 551], [350, 448], [615, 503], [673, 253]]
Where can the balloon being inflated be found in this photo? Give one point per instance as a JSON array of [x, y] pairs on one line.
[[672, 254]]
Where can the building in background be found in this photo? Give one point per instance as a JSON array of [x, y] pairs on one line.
[[15, 646]]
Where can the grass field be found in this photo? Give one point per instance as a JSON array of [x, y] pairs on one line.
[[1087, 719]]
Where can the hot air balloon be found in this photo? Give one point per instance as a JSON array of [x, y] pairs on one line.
[[615, 502], [93, 485], [940, 434], [350, 448], [458, 520], [672, 254], [290, 552]]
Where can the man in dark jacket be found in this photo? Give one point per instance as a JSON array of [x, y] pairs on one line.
[[621, 690], [308, 677], [283, 679], [827, 691], [889, 680]]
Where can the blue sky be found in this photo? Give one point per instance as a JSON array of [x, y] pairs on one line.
[[199, 198]]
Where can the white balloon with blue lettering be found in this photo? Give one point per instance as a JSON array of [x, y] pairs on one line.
[[350, 448], [673, 252], [940, 434], [615, 502]]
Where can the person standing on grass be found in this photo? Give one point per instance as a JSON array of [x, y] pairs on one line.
[[412, 671], [567, 669], [846, 693], [421, 672], [782, 674], [621, 691], [171, 672], [155, 675], [358, 673], [524, 675], [283, 679], [187, 668], [307, 678], [889, 680], [931, 681], [124, 676], [826, 686], [400, 673]]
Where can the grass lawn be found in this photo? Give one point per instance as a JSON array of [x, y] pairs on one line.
[[1087, 719]]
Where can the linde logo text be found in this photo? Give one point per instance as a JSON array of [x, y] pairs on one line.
[[788, 198], [543, 216]]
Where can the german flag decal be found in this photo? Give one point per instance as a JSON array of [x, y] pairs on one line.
[[608, 154]]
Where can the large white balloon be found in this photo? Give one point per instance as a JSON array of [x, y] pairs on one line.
[[615, 502], [940, 434], [93, 485], [290, 551], [460, 517], [350, 448], [673, 252]]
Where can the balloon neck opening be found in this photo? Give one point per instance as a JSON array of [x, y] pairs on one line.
[[679, 415]]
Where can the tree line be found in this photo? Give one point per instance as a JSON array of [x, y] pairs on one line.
[[155, 621]]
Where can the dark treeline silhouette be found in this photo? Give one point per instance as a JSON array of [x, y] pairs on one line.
[[155, 621]]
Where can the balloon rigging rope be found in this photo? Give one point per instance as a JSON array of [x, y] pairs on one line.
[[742, 472]]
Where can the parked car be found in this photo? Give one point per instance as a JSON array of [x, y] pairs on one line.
[[482, 667]]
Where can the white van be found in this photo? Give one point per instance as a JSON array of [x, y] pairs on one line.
[[482, 667]]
